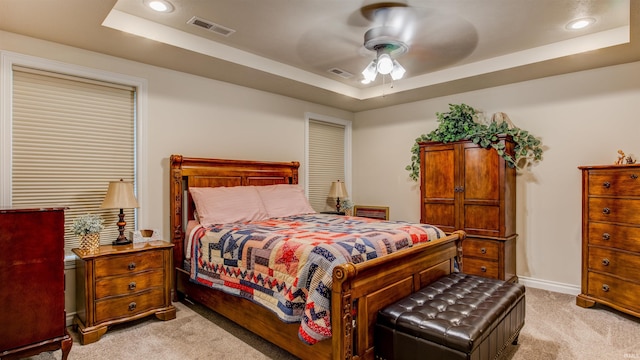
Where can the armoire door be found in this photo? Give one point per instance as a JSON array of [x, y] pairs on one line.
[[439, 187]]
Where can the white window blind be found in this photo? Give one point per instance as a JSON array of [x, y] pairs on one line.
[[70, 137], [326, 162]]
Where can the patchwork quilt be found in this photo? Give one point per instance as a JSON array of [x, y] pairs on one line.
[[286, 264]]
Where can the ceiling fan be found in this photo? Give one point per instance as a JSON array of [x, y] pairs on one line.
[[390, 21], [396, 28]]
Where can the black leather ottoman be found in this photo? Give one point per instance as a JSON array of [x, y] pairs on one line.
[[459, 316]]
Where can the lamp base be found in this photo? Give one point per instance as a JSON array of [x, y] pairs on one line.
[[121, 242], [122, 239]]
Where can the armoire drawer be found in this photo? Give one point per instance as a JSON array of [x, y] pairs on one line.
[[486, 249], [480, 267]]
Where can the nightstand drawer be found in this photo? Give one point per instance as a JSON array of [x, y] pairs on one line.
[[480, 248], [480, 267], [109, 286], [111, 266], [128, 306]]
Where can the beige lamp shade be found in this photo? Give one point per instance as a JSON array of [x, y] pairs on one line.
[[120, 195], [338, 190]]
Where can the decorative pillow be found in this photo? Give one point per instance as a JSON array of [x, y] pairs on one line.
[[284, 200], [222, 205]]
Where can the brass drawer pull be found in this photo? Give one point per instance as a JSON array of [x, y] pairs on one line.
[[132, 306], [483, 268], [605, 287], [132, 266], [606, 211], [483, 251], [132, 285], [605, 262], [634, 176], [606, 184], [606, 236]]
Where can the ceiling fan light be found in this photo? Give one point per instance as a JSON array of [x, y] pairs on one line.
[[398, 71], [385, 64], [369, 73]]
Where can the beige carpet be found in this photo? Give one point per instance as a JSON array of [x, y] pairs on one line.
[[555, 328]]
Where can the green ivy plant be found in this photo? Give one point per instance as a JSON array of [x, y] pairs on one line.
[[459, 124]]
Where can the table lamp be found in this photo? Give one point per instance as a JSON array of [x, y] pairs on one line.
[[120, 196], [338, 190]]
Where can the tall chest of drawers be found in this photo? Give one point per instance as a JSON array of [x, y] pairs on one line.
[[32, 283], [611, 237]]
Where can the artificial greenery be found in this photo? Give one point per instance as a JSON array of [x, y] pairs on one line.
[[345, 204], [459, 123], [87, 224]]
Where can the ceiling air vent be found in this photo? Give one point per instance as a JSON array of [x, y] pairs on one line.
[[340, 73], [210, 26]]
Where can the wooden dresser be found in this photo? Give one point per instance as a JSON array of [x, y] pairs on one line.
[[611, 237], [32, 315], [120, 283], [466, 187]]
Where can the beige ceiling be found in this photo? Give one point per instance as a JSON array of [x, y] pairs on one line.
[[288, 46]]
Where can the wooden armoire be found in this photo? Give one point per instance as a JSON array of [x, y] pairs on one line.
[[466, 187], [32, 314]]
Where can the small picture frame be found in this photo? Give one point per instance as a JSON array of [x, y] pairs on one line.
[[373, 212]]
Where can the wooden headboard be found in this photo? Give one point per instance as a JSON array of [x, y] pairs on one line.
[[188, 172]]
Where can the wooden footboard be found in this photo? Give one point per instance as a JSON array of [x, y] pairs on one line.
[[359, 290]]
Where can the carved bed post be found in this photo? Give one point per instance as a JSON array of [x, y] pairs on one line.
[[463, 235], [342, 312], [175, 214]]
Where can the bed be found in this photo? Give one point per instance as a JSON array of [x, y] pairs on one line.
[[357, 289]]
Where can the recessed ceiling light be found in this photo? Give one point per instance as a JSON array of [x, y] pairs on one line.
[[159, 5], [580, 23]]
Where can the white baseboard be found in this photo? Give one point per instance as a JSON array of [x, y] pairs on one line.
[[549, 285], [69, 319]]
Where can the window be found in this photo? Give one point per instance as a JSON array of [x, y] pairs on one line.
[[328, 158], [67, 137]]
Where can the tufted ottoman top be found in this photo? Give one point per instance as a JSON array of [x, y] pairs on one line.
[[457, 311]]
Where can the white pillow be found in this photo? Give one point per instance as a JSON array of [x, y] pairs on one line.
[[221, 205], [284, 200]]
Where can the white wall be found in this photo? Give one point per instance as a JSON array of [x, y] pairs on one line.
[[582, 119], [195, 117]]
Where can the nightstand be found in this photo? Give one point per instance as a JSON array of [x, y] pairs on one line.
[[122, 283]]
